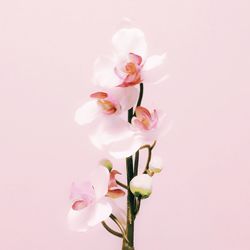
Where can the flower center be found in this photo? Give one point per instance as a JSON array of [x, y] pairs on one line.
[[131, 68], [107, 106]]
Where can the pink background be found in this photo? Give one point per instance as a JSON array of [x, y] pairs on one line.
[[202, 199]]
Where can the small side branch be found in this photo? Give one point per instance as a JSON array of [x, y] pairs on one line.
[[110, 230], [120, 226], [150, 148], [121, 184]]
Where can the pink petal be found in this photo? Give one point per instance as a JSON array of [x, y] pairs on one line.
[[142, 113], [115, 193], [112, 179], [78, 205], [135, 58], [81, 191], [130, 40], [100, 181], [87, 113], [138, 124], [99, 95]]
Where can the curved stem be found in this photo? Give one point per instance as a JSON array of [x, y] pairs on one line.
[[111, 230], [150, 148], [117, 222]]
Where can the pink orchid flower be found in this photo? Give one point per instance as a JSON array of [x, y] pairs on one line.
[[106, 104], [146, 128], [143, 120], [130, 64], [90, 205]]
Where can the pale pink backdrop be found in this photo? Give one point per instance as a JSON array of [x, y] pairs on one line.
[[202, 199]]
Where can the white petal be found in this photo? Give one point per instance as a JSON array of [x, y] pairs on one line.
[[100, 180], [82, 220], [130, 40], [127, 97], [128, 146], [100, 212], [87, 113], [109, 130], [104, 74], [154, 61], [78, 219], [154, 71]]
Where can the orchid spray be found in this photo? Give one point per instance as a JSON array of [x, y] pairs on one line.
[[121, 127]]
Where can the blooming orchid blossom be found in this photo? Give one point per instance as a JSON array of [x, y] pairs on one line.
[[106, 104], [146, 127], [129, 64], [90, 205]]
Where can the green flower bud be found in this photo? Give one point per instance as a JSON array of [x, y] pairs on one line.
[[155, 165], [106, 163]]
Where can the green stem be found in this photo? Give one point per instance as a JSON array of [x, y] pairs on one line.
[[140, 96], [137, 154], [130, 200], [109, 229], [131, 172], [120, 226]]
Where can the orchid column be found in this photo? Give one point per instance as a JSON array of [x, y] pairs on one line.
[[121, 127]]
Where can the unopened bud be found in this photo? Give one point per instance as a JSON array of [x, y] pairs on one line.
[[106, 163], [141, 186], [155, 165]]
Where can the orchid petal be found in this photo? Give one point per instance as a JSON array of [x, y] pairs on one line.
[[142, 112], [83, 191], [154, 70], [78, 219], [87, 113], [104, 73], [127, 147], [112, 179], [110, 130], [135, 58], [99, 95], [115, 193], [100, 181], [100, 212], [127, 96], [81, 220], [130, 40], [154, 61]]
